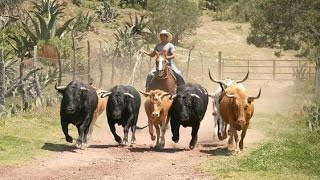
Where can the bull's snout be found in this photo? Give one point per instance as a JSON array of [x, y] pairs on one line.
[[184, 117], [155, 114], [116, 115], [70, 110], [215, 112], [241, 122]]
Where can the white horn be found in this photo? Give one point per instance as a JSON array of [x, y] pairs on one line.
[[128, 94]]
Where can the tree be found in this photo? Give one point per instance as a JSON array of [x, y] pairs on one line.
[[178, 17], [286, 24]]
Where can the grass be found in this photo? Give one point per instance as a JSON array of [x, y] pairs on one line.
[[26, 136], [290, 152]]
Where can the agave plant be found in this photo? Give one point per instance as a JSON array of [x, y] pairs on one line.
[[137, 25], [299, 73], [44, 21]]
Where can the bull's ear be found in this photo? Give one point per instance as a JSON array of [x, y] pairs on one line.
[[60, 89]]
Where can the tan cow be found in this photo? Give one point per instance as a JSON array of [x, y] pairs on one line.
[[236, 109], [101, 106], [157, 106]]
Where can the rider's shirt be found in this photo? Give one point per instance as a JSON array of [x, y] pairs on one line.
[[169, 48]]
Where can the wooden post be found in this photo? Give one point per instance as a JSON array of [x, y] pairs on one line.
[[274, 69], [89, 67], [100, 65], [201, 66], [220, 70], [35, 75], [60, 69], [2, 78], [189, 61], [25, 103], [74, 58]]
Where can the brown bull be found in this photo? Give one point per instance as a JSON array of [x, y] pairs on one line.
[[101, 106], [236, 109], [157, 106]]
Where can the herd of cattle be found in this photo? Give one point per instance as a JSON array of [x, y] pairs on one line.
[[232, 109]]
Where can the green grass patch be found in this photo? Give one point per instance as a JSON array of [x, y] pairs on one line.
[[289, 152], [30, 135]]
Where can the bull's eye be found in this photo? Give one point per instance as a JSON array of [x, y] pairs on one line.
[[246, 107]]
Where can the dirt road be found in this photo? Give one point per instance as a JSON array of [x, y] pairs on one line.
[[105, 159]]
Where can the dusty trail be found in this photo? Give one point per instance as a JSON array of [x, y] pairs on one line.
[[104, 159]]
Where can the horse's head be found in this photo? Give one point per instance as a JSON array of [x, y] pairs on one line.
[[161, 65]]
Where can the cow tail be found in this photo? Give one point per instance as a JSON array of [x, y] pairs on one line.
[[141, 127]]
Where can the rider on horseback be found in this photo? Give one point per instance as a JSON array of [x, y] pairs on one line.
[[164, 48]]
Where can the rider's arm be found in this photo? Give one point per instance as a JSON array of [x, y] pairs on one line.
[[152, 54]]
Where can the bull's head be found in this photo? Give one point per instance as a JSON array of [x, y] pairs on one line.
[[73, 95], [156, 99], [242, 105], [185, 102], [118, 99]]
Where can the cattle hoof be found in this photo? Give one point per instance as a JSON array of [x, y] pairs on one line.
[[153, 138], [125, 142], [69, 139], [162, 145], [133, 142], [191, 147], [175, 140]]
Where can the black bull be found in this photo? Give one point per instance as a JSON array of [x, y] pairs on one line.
[[78, 104], [123, 108], [188, 109]]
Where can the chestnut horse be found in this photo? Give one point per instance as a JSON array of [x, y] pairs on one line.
[[163, 79]]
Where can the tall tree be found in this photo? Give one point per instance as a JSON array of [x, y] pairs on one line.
[[178, 17]]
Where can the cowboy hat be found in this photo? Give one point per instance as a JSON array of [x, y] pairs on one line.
[[166, 33]]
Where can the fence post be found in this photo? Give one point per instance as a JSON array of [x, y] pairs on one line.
[[74, 58], [189, 61], [274, 70], [220, 71], [100, 65], [60, 70], [89, 66], [2, 78], [201, 66], [35, 75]]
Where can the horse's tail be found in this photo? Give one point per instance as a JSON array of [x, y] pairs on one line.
[[141, 127]]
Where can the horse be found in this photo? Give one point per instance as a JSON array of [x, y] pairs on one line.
[[164, 79]]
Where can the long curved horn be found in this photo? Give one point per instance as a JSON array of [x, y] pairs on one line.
[[59, 88], [253, 98], [213, 80], [194, 95], [146, 94], [130, 95], [244, 79]]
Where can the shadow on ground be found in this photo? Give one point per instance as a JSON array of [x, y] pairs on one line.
[[58, 147]]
